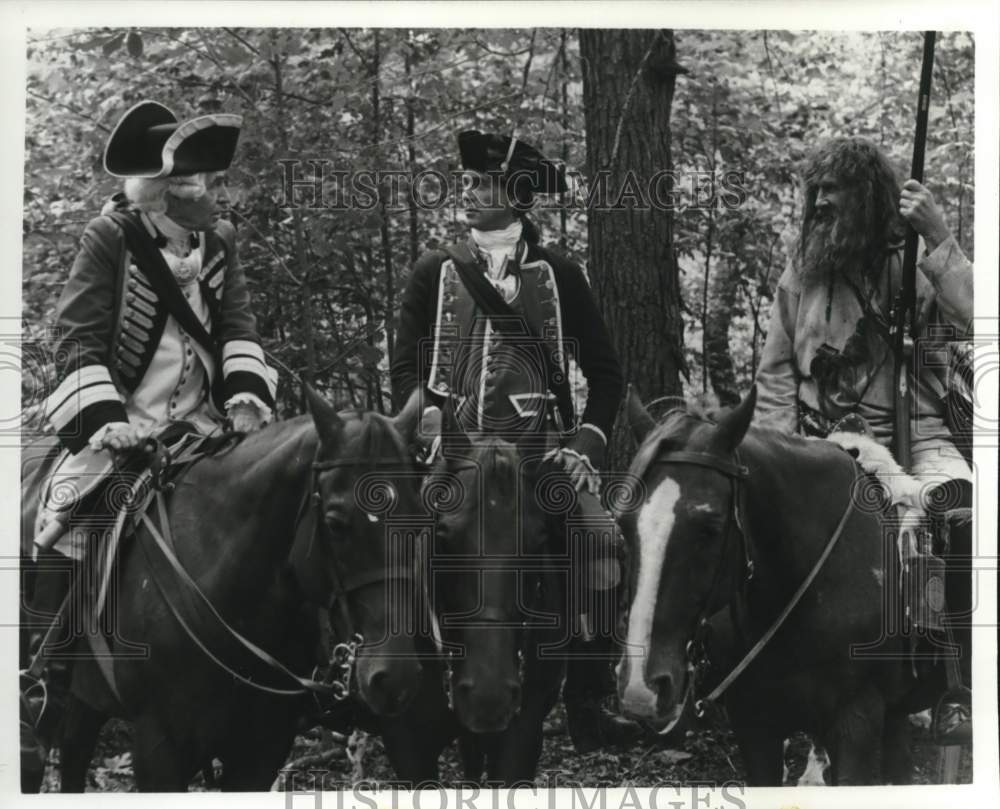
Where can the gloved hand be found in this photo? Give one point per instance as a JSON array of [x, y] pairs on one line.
[[580, 458], [118, 436], [245, 417]]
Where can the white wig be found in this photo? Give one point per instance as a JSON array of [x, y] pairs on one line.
[[150, 194]]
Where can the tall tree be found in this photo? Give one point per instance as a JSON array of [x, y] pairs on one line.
[[722, 289], [325, 271], [628, 88]]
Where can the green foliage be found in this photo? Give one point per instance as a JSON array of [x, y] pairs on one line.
[[326, 282], [758, 102]]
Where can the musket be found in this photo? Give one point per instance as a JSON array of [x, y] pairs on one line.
[[904, 325]]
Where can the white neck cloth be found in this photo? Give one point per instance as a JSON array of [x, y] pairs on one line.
[[498, 245]]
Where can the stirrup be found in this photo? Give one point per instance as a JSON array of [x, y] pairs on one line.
[[955, 705]]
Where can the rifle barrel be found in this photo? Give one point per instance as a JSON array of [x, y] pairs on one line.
[[904, 324]]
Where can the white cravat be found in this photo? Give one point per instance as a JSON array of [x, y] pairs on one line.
[[498, 246], [184, 262]]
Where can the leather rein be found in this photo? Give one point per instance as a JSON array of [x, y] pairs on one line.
[[337, 684], [735, 532]]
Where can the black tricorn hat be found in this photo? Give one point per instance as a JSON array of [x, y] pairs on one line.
[[486, 153], [150, 142]]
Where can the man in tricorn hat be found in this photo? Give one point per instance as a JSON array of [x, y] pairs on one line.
[[154, 327], [512, 386]]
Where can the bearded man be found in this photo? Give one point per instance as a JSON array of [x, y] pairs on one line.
[[828, 353]]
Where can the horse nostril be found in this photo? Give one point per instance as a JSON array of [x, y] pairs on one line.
[[376, 682], [388, 692]]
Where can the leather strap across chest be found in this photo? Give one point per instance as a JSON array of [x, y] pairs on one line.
[[507, 320], [152, 264]]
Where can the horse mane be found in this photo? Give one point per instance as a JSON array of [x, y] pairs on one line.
[[776, 459], [376, 436], [297, 437], [499, 459], [289, 444], [674, 429]]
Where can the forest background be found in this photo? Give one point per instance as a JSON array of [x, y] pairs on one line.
[[686, 292]]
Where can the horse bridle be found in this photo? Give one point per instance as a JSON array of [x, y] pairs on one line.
[[695, 650], [344, 654], [491, 614], [734, 532], [336, 684]]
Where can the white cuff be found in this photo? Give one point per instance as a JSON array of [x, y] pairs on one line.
[[583, 458], [251, 399]]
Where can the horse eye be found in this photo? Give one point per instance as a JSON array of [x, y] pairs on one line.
[[336, 520]]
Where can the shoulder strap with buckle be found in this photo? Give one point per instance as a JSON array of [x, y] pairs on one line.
[[495, 307]]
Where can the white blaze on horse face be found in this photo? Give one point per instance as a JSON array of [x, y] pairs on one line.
[[654, 526], [816, 764]]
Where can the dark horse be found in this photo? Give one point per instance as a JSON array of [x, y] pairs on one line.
[[717, 547], [501, 603], [240, 524]]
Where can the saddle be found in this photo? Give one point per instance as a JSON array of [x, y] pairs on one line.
[[922, 538], [166, 455], [107, 509]]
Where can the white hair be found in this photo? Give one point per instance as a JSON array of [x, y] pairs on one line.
[[150, 193]]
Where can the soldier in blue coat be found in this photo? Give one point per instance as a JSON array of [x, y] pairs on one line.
[[514, 381]]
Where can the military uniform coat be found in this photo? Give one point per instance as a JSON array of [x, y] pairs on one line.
[[121, 356], [568, 321]]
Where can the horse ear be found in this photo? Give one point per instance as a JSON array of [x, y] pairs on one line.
[[328, 423], [407, 419], [638, 417], [735, 423]]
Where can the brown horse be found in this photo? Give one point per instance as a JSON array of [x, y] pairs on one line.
[[272, 531], [500, 601], [724, 524]]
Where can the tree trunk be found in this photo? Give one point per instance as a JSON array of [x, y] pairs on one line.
[[384, 237], [564, 147], [411, 149], [628, 88], [706, 349], [723, 287]]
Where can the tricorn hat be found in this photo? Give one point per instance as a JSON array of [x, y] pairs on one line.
[[486, 153], [150, 142]]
